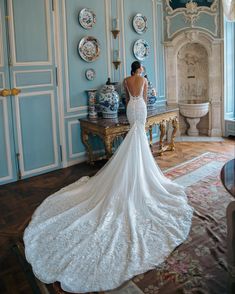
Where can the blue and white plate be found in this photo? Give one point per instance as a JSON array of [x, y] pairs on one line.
[[141, 49], [89, 48], [87, 18], [90, 74], [139, 23]]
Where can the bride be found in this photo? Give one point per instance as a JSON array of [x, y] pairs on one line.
[[101, 231]]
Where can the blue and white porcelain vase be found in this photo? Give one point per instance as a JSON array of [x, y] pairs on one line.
[[151, 97], [92, 111], [109, 101]]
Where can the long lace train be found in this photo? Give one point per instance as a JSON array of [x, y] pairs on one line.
[[99, 232]]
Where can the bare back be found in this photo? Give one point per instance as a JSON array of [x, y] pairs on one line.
[[134, 85]]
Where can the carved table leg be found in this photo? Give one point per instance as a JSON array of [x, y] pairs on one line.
[[108, 143], [175, 124], [85, 140], [162, 127]]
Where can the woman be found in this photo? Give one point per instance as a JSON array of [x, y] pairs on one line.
[[101, 231]]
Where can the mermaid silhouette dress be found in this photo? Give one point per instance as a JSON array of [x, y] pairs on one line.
[[101, 231]]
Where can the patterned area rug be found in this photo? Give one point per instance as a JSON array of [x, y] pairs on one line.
[[199, 264]]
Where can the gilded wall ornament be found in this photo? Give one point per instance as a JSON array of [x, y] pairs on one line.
[[191, 11]]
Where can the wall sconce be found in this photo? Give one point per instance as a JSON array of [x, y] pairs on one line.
[[116, 58], [115, 31], [117, 63]]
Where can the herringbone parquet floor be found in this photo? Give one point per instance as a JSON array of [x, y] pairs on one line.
[[19, 200]]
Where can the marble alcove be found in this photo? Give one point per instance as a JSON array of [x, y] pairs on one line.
[[194, 74]]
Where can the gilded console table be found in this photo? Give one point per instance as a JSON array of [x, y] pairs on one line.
[[109, 129]]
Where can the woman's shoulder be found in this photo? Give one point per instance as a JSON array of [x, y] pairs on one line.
[[127, 78], [134, 78]]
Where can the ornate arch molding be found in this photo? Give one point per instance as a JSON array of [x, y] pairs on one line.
[[190, 16], [191, 7], [214, 50], [192, 36]]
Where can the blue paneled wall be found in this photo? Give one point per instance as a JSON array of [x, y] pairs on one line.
[[51, 74], [76, 66], [229, 66], [72, 68]]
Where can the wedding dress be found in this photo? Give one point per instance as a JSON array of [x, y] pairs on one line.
[[101, 231]]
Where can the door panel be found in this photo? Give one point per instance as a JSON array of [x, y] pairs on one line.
[[7, 152], [37, 142], [30, 67], [33, 78], [30, 31], [6, 172], [33, 72]]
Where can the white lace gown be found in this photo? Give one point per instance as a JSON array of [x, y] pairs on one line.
[[101, 231]]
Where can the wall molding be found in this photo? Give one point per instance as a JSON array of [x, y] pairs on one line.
[[12, 39], [3, 80], [191, 14], [60, 87], [159, 4], [19, 133], [107, 6], [155, 42], [81, 115], [7, 140], [191, 7], [31, 71], [70, 140], [69, 109], [1, 38], [123, 37], [69, 130], [191, 24]]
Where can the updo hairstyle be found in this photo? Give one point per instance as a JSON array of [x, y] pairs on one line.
[[134, 66]]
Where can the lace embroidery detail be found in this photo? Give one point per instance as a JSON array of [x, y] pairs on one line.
[[101, 231]]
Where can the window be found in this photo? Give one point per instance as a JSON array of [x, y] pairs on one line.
[[229, 70]]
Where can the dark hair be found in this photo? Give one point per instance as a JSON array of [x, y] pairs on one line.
[[134, 66]]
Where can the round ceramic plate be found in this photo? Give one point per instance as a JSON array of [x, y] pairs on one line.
[[141, 49], [89, 48], [90, 74], [140, 23], [87, 18]]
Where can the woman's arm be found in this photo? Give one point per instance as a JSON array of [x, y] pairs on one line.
[[126, 92], [145, 90]]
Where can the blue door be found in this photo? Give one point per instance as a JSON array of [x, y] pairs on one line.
[[28, 115], [8, 171]]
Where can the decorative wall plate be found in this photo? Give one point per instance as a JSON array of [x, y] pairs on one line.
[[87, 18], [89, 48], [141, 49], [90, 74], [139, 23]]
